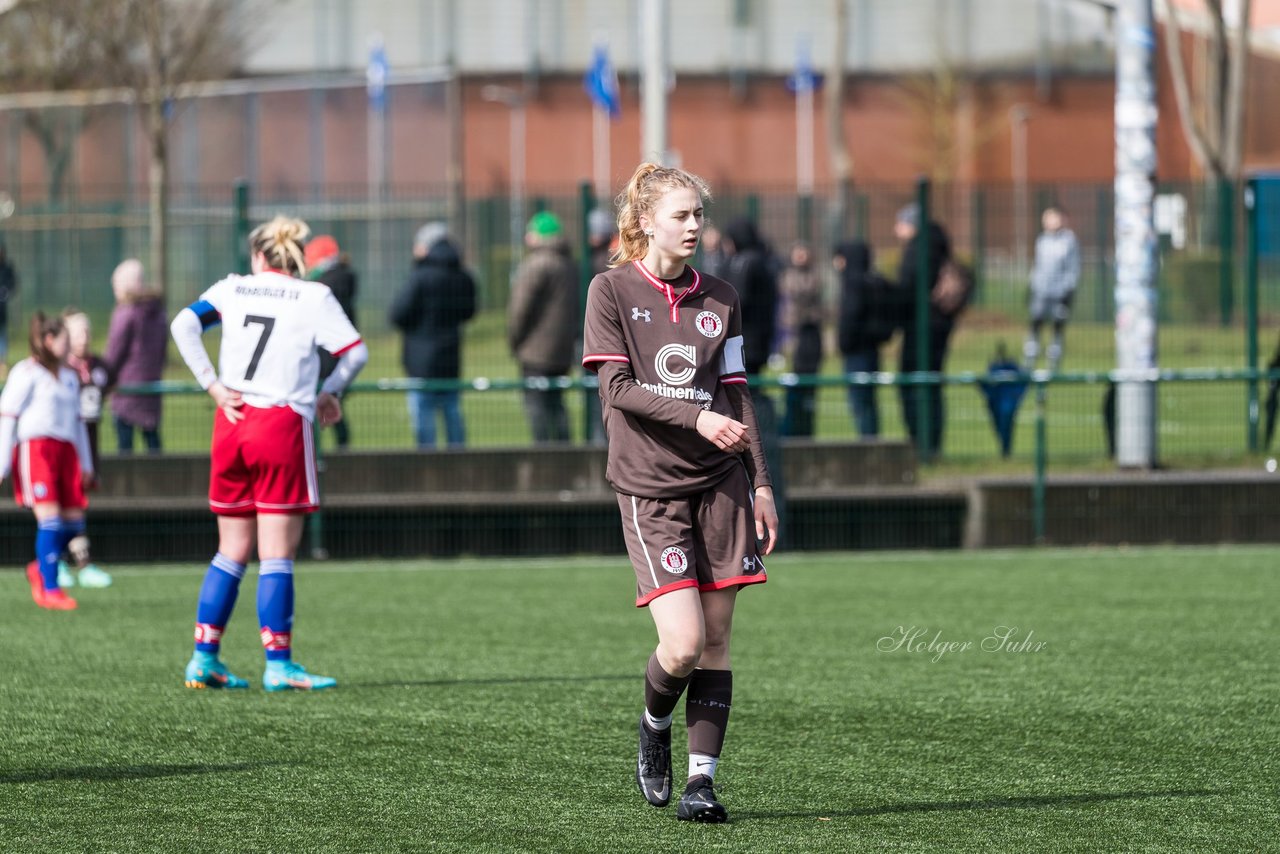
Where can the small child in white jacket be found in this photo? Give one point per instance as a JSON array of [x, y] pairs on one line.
[[1053, 286]]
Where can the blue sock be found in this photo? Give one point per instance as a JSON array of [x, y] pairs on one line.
[[48, 547], [71, 528], [275, 607], [217, 599]]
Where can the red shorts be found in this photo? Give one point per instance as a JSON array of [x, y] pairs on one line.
[[265, 463], [48, 470]]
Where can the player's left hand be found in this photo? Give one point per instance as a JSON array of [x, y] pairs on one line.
[[328, 409], [766, 518], [89, 479]]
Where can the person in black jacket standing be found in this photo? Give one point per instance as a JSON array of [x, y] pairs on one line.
[[908, 231], [867, 320], [8, 287], [749, 267], [437, 299], [331, 267]]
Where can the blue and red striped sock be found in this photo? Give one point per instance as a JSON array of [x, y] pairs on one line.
[[275, 607], [217, 600], [48, 548]]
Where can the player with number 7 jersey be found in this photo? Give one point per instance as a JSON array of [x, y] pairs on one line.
[[263, 470]]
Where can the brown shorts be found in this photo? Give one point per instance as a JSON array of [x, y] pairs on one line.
[[707, 541]]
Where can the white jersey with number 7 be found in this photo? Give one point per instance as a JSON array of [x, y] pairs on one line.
[[272, 325]]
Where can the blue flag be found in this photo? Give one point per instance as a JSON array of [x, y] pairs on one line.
[[376, 75], [601, 83]]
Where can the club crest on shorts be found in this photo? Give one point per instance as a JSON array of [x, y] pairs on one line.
[[674, 561], [709, 324], [39, 490]]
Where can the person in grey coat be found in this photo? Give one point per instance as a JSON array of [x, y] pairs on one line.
[[1053, 286]]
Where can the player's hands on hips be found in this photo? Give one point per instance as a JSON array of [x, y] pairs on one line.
[[722, 431], [328, 409], [766, 514], [228, 401]]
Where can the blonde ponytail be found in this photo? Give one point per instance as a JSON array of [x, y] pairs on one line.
[[649, 183], [280, 242]]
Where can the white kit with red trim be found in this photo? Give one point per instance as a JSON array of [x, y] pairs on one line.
[[271, 326]]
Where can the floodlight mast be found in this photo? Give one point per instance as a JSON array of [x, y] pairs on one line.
[[1135, 234], [654, 81]]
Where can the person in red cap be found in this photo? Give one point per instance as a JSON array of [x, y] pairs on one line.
[[327, 264]]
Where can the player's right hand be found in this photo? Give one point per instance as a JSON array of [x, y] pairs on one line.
[[722, 431], [228, 401]]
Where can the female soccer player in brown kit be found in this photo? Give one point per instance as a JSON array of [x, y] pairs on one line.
[[686, 462]]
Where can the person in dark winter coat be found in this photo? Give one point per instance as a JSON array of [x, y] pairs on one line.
[[867, 319], [602, 239], [749, 267], [8, 288], [329, 266], [542, 324], [430, 309], [137, 347], [939, 328]]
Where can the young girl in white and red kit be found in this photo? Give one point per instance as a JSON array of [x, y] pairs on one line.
[[44, 444], [262, 481]]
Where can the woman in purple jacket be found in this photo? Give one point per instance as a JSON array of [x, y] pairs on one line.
[[136, 349]]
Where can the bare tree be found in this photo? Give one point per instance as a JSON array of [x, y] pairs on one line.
[[45, 48], [1215, 136], [154, 47]]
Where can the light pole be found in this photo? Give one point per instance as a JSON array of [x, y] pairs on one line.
[[653, 82], [1136, 241], [1018, 116], [514, 101]]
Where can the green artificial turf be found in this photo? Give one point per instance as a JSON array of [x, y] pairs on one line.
[[491, 705]]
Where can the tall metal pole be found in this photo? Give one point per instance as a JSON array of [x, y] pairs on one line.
[[513, 100], [1251, 307], [1136, 241], [241, 219], [924, 287], [653, 81], [1018, 115], [518, 188], [804, 81], [600, 166], [376, 85], [455, 168]]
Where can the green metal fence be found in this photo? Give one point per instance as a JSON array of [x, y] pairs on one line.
[[1220, 294]]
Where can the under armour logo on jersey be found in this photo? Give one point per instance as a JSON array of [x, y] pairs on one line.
[[637, 314]]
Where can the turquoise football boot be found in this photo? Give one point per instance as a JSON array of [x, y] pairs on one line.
[[204, 670], [94, 576], [289, 675]]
